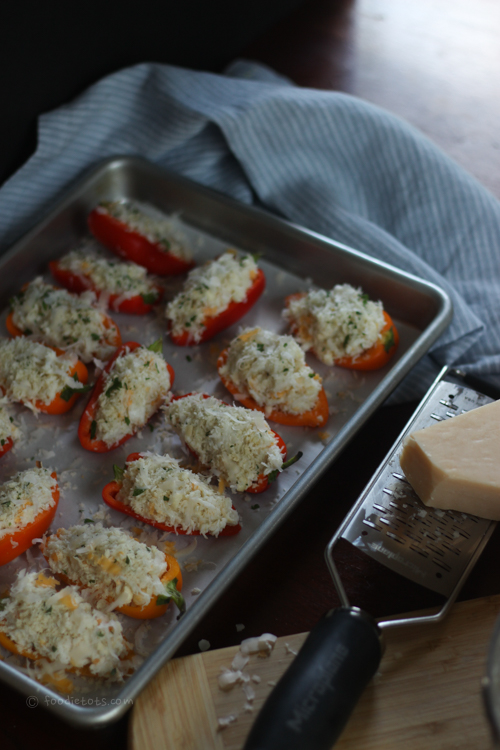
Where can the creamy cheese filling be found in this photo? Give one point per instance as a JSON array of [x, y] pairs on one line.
[[23, 497], [336, 323], [8, 428], [208, 291], [117, 568], [113, 277], [61, 626], [150, 223], [134, 389], [68, 321], [235, 443], [272, 370], [31, 372], [156, 487]]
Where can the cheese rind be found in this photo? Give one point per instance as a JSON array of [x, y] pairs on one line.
[[455, 464]]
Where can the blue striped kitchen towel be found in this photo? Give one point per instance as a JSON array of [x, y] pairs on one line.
[[326, 160]]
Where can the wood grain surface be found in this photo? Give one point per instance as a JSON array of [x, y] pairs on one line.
[[425, 696]]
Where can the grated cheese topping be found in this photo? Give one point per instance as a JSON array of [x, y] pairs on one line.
[[336, 323], [31, 372], [150, 223], [112, 277], [117, 568], [23, 497], [156, 487], [134, 389], [8, 428], [208, 291], [61, 626], [68, 321], [235, 443], [272, 370]]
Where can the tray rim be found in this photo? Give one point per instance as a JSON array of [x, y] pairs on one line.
[[99, 716]]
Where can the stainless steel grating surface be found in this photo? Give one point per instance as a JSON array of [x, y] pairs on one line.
[[390, 524]]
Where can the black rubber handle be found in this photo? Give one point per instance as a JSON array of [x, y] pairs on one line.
[[310, 705]]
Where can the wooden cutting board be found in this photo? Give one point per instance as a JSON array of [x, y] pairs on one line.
[[426, 695]]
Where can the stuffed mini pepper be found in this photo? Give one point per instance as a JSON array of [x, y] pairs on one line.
[[41, 377], [28, 503], [268, 372], [121, 573], [214, 297], [64, 320], [141, 234], [342, 327], [130, 389], [124, 287], [156, 490], [59, 627], [235, 444]]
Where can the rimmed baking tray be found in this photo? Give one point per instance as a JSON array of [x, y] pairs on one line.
[[293, 259]]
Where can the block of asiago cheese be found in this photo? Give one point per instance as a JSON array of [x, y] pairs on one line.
[[455, 464]]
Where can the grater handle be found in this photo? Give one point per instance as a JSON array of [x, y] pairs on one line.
[[312, 702]]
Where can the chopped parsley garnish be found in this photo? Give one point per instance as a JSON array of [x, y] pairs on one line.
[[93, 429], [115, 386], [149, 298], [138, 491], [67, 392]]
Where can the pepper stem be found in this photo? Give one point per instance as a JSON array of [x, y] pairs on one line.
[[274, 474], [172, 594]]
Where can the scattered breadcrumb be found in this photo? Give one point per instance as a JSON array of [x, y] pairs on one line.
[[225, 721], [239, 627], [204, 645], [263, 645]]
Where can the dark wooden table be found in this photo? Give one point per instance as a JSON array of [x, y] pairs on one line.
[[436, 65]]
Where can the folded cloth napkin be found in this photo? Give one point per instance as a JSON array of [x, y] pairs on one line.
[[325, 160]]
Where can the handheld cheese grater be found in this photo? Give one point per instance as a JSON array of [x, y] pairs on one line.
[[436, 549]]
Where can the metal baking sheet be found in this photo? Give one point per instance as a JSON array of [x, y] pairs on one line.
[[293, 259]]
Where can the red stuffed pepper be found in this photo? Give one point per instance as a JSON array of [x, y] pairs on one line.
[[28, 503], [131, 388], [148, 240], [157, 491], [214, 297], [268, 372], [136, 579], [235, 444], [125, 287], [41, 377], [342, 327], [64, 320]]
